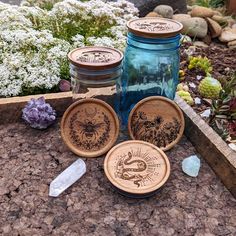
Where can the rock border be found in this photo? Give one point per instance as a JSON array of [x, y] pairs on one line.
[[207, 142]]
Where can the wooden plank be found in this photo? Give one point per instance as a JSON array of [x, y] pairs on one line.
[[211, 147]]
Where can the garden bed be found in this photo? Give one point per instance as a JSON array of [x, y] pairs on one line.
[[31, 159], [208, 143]]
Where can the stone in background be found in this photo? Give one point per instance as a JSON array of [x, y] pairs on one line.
[[146, 6]]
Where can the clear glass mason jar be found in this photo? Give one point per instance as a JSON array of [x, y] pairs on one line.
[[96, 73], [151, 61]]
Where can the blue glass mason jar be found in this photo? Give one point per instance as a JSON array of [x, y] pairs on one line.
[[151, 61], [96, 73]]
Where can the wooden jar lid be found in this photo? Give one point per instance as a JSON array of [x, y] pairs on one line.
[[154, 27], [89, 127], [137, 167], [95, 58], [157, 120]]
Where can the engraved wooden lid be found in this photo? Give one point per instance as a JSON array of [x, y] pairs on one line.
[[95, 58], [137, 167], [154, 27], [157, 120], [89, 127]]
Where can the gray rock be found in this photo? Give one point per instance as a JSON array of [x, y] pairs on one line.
[[228, 35], [146, 6], [194, 27], [165, 11]]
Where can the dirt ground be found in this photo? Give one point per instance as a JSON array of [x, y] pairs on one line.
[[31, 159]]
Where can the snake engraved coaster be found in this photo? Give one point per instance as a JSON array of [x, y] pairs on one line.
[[156, 120], [136, 168], [89, 127]]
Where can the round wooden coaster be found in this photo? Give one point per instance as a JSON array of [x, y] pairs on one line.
[[137, 167], [157, 120], [89, 127]]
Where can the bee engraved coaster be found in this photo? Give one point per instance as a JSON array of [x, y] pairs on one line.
[[137, 167], [157, 120], [89, 127]]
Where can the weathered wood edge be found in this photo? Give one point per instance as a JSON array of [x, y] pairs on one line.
[[206, 141], [11, 108], [211, 147]]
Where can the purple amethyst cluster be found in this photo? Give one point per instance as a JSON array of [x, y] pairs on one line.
[[39, 114]]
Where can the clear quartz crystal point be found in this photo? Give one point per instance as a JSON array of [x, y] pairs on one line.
[[69, 176]]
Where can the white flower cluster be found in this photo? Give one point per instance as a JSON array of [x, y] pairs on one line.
[[36, 37]]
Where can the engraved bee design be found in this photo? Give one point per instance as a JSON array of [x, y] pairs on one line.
[[89, 128], [92, 132]]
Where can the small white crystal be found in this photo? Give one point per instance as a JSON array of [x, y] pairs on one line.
[[232, 146], [192, 85], [206, 113], [69, 176], [191, 165], [197, 101], [199, 77]]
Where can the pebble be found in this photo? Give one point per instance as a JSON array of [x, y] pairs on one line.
[[197, 101], [228, 35], [199, 11], [200, 44], [194, 27], [153, 14], [191, 166], [232, 44], [214, 28], [165, 11], [232, 146], [186, 39], [206, 113]]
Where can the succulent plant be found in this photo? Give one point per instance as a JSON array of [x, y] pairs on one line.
[[186, 96], [223, 117], [209, 88], [202, 63], [39, 114]]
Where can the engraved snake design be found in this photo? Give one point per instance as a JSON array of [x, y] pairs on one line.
[[124, 173]]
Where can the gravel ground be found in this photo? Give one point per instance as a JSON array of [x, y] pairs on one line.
[[31, 159]]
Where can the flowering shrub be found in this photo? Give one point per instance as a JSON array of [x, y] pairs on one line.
[[36, 37]]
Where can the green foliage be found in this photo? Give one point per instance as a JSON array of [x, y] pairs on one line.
[[202, 63], [210, 3], [223, 117]]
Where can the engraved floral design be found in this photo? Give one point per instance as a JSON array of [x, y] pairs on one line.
[[155, 130]]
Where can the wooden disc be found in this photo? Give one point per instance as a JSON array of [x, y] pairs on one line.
[[157, 120], [137, 167], [89, 127]]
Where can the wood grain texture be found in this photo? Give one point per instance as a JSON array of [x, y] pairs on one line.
[[157, 120], [137, 167], [90, 127], [211, 147]]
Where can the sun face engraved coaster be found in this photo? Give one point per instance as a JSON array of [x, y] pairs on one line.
[[89, 127], [136, 167], [154, 27], [156, 120]]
